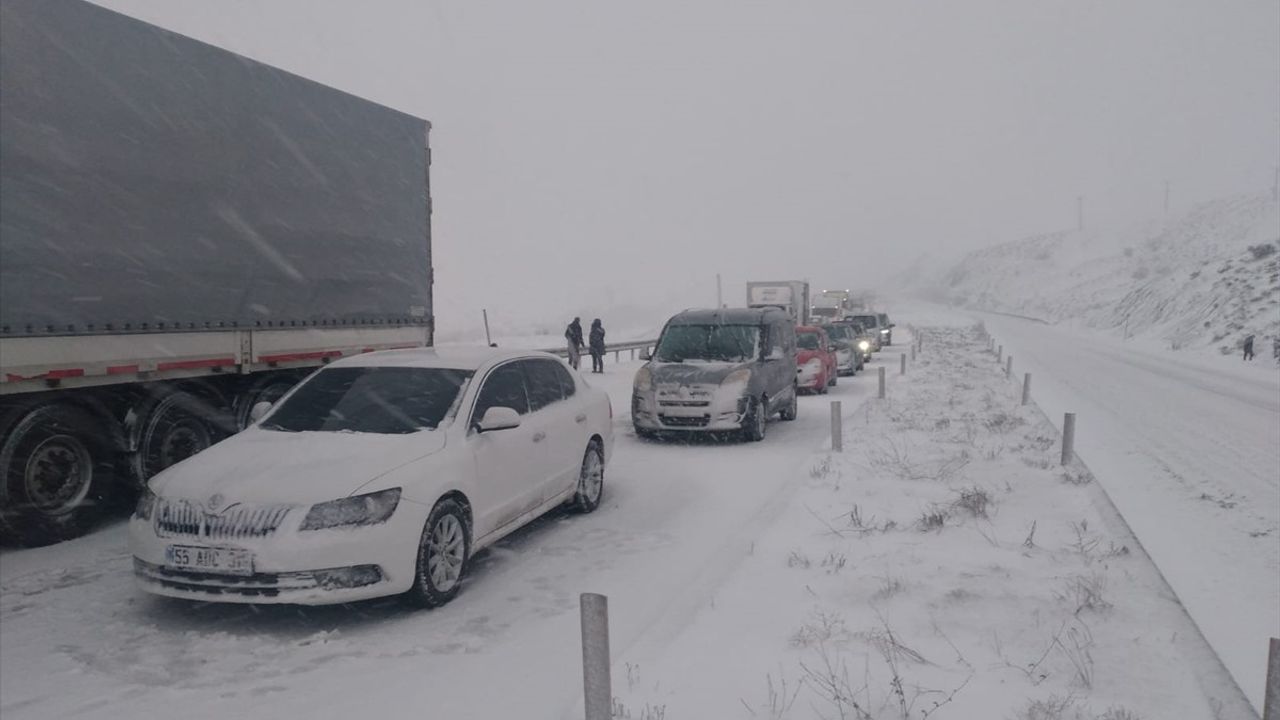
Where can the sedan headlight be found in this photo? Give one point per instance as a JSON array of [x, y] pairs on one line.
[[864, 346], [369, 509], [146, 504]]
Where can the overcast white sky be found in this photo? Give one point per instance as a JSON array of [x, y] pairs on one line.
[[594, 150]]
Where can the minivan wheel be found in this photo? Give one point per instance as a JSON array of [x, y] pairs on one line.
[[757, 421], [443, 552], [792, 408]]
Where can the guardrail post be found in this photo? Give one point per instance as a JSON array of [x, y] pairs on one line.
[[837, 429], [903, 370], [1271, 701], [597, 686], [881, 382], [1008, 368], [617, 357], [1026, 388], [913, 351], [1068, 437]]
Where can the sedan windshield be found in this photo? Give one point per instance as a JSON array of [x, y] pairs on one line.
[[385, 400], [709, 343], [866, 320], [808, 341]]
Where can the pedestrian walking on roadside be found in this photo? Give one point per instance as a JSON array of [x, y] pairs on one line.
[[597, 346], [1248, 348], [573, 336]]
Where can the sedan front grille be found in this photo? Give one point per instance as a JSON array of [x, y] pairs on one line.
[[182, 518]]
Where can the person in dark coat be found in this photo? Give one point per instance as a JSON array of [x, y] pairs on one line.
[[1248, 348], [573, 336], [597, 346]]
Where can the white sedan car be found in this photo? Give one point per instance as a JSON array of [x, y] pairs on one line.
[[380, 474]]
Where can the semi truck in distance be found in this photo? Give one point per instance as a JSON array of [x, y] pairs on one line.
[[184, 233], [831, 305]]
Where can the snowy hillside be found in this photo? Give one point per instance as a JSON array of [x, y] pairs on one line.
[[1206, 278]]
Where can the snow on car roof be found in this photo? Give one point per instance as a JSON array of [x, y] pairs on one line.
[[458, 358]]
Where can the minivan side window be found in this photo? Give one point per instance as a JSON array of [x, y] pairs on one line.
[[504, 387], [544, 383]]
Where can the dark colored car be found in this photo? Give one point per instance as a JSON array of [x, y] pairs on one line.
[[716, 371], [886, 328], [849, 359]]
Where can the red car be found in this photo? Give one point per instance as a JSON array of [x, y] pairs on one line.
[[816, 360]]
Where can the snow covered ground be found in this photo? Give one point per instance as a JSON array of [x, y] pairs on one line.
[[742, 584], [1187, 447]]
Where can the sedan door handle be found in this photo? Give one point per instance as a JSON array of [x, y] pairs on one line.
[[539, 436], [581, 418]]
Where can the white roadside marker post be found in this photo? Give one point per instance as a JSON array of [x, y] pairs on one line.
[[1271, 701], [1008, 368], [1026, 388], [903, 369], [837, 429], [1000, 355], [597, 686], [1068, 437], [881, 382]]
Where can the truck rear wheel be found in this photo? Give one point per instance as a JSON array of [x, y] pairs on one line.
[[173, 431], [55, 467]]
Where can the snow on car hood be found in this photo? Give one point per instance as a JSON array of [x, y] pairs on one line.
[[693, 372], [267, 466]]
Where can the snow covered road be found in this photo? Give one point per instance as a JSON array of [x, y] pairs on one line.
[[1189, 450], [80, 641]]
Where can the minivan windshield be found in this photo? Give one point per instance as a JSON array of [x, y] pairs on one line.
[[384, 400], [709, 343], [866, 321]]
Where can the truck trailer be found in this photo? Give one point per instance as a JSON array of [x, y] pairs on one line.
[[184, 233], [790, 295]]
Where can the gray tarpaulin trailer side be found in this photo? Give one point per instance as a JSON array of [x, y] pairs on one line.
[[183, 232]]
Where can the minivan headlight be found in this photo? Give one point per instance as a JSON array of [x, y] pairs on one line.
[[644, 380], [356, 511], [742, 376]]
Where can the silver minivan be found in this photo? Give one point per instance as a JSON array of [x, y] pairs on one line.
[[717, 371]]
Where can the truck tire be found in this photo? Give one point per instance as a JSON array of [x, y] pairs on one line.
[[173, 430], [56, 469]]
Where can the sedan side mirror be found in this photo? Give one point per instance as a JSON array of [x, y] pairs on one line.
[[646, 355], [498, 418], [259, 410]]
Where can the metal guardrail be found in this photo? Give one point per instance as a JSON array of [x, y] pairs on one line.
[[615, 348]]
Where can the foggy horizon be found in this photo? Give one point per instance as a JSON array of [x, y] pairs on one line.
[[837, 143]]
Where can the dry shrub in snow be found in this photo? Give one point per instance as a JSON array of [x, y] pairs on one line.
[[1085, 592], [975, 501], [932, 520]]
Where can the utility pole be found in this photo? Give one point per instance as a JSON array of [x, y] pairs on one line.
[[1275, 186], [1080, 213], [487, 340], [1166, 198], [719, 295]]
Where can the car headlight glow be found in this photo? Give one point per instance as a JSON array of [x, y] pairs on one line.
[[864, 346], [369, 509], [146, 504]]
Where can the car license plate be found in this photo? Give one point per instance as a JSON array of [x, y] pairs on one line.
[[229, 561]]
